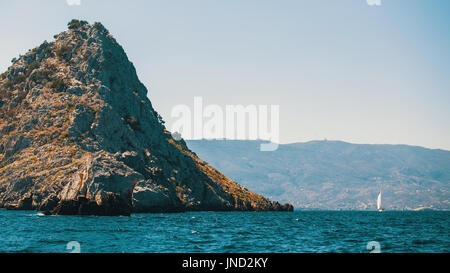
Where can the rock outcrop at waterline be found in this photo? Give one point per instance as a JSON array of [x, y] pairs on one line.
[[79, 136]]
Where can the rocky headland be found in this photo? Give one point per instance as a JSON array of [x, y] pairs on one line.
[[78, 135]]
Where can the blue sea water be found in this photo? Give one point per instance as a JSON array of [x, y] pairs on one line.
[[300, 231]]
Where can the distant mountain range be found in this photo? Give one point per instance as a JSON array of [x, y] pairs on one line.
[[336, 175]]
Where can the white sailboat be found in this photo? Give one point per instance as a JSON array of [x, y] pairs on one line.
[[379, 208]]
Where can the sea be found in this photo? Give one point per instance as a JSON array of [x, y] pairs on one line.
[[228, 232]]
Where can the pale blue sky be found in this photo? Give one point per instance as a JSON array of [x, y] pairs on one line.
[[339, 69]]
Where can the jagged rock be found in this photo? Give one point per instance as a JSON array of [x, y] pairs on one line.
[[103, 180], [148, 197], [80, 136], [82, 120]]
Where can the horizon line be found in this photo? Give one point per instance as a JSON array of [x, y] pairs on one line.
[[318, 140]]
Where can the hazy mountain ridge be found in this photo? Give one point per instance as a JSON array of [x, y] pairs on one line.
[[334, 174]]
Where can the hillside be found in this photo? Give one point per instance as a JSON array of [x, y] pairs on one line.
[[336, 175]]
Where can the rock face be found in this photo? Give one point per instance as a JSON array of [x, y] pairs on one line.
[[79, 136]]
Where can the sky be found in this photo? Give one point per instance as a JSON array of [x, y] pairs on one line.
[[338, 69]]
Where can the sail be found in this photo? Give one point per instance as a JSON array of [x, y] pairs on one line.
[[379, 201]]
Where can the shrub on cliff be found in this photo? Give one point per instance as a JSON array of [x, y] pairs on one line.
[[32, 66], [74, 24], [58, 84], [62, 51]]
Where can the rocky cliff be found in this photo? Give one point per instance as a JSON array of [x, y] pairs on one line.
[[79, 136]]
